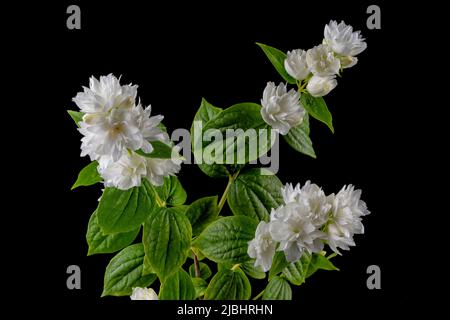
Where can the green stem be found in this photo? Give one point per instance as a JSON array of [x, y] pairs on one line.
[[259, 295], [231, 179]]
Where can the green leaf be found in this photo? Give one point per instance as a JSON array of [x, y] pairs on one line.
[[226, 239], [200, 286], [172, 192], [205, 271], [251, 138], [298, 138], [76, 116], [181, 209], [253, 194], [160, 151], [317, 108], [167, 239], [124, 272], [201, 213], [147, 269], [277, 289], [178, 286], [277, 57], [299, 271], [125, 210], [252, 271], [205, 113], [229, 285], [278, 264], [88, 176], [100, 243]]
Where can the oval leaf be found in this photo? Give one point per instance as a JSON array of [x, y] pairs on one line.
[[160, 151], [277, 289], [167, 239], [205, 271], [229, 285], [88, 176], [124, 272], [278, 264], [200, 286], [178, 286], [172, 192], [317, 108], [277, 57], [125, 210], [201, 213], [298, 138], [252, 271], [100, 243], [254, 195], [226, 240]]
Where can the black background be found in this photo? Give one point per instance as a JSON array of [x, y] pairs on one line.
[[179, 53]]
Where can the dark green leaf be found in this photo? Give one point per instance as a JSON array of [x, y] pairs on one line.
[[252, 271], [278, 264], [254, 194], [167, 239], [205, 271], [178, 286], [229, 285], [226, 239], [317, 108], [88, 176], [172, 192], [277, 289], [200, 286], [160, 151], [125, 210], [277, 57], [201, 213], [100, 243], [124, 272], [298, 138]]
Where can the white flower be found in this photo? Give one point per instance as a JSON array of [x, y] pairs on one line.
[[291, 225], [290, 193], [103, 95], [262, 247], [148, 127], [157, 169], [347, 211], [322, 62], [143, 294], [281, 109], [125, 173], [321, 86], [343, 40], [348, 61], [295, 64]]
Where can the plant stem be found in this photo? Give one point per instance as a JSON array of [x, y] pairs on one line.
[[231, 179], [259, 295], [196, 266]]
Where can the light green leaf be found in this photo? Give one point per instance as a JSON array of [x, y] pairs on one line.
[[201, 213], [251, 137], [229, 285], [277, 57], [200, 286], [124, 272], [205, 113], [297, 272], [125, 210], [226, 240], [100, 243], [205, 271], [298, 138], [277, 289], [254, 195], [252, 271], [167, 239], [178, 286], [88, 176], [278, 264], [172, 192], [147, 269], [319, 262], [160, 151], [317, 108], [76, 116]]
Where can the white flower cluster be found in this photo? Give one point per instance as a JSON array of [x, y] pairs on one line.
[[316, 69], [114, 126], [143, 294], [307, 221]]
